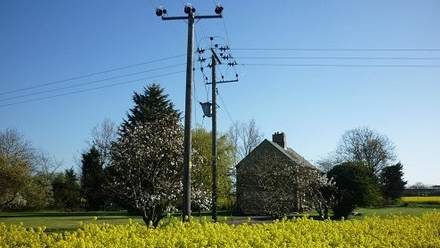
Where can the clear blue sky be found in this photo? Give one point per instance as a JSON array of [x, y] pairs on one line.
[[365, 63]]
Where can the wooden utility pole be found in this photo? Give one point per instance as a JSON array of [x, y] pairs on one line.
[[186, 181], [214, 62]]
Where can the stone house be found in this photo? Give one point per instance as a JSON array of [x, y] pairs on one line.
[[273, 179]]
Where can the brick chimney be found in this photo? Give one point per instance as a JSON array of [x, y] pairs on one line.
[[280, 139]]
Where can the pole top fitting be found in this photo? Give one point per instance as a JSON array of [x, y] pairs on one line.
[[189, 9]]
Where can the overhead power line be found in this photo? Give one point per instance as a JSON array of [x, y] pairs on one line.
[[90, 75], [338, 58], [86, 83], [381, 57], [340, 65], [343, 49], [91, 89]]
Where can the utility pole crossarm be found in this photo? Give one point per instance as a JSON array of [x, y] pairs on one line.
[[224, 81], [165, 18]]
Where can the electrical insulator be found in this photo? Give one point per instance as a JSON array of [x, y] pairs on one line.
[[218, 9], [189, 9]]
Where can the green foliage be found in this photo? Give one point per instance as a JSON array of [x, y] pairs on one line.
[[153, 104], [14, 182], [392, 184], [19, 188], [357, 187], [92, 179], [202, 167], [66, 191]]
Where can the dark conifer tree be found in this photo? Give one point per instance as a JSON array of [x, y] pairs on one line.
[[150, 106], [66, 191], [392, 182], [92, 179]]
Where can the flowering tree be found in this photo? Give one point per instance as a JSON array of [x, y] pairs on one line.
[[323, 194], [147, 168]]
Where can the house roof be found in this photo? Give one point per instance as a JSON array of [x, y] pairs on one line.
[[289, 153], [293, 155]]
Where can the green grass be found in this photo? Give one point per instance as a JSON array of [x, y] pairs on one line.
[[384, 212], [55, 221], [65, 221], [69, 221]]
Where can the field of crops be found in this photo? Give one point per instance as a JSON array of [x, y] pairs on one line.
[[393, 231], [421, 199]]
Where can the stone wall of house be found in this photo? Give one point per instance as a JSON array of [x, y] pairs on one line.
[[270, 183]]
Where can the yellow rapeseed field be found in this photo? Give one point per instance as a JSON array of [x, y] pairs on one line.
[[394, 231], [421, 199]]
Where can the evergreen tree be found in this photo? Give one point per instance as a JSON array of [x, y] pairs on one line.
[[150, 106], [67, 191], [92, 178], [392, 182]]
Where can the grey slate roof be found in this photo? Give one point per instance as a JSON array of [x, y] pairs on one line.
[[289, 153], [293, 155]]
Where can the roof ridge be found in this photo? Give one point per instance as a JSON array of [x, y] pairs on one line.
[[292, 154]]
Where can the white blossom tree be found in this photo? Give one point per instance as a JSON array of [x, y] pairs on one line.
[[322, 192], [147, 167]]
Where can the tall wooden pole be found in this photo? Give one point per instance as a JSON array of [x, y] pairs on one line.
[[214, 138], [186, 211]]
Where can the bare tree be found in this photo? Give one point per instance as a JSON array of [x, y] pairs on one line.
[[14, 146], [233, 133], [250, 136], [245, 136], [327, 163], [103, 137], [419, 185], [366, 146], [46, 165]]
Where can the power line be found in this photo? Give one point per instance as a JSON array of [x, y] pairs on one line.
[[90, 75], [343, 49], [226, 109], [340, 58], [341, 65], [91, 89], [86, 83]]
